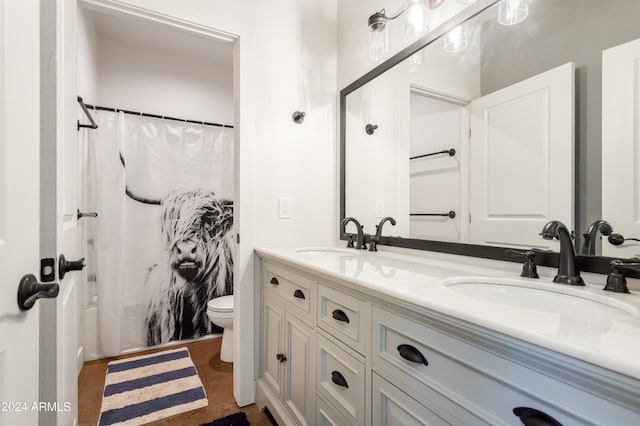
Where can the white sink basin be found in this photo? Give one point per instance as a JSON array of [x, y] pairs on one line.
[[327, 251], [542, 297]]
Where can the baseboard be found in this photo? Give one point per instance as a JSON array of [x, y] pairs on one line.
[[266, 398]]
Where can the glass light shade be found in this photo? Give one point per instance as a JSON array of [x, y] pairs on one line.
[[456, 40], [512, 12], [415, 61], [416, 21], [378, 44]]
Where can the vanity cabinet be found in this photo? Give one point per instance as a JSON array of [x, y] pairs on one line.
[[355, 357], [288, 342]]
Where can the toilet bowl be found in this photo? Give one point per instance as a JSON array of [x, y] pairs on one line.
[[220, 312]]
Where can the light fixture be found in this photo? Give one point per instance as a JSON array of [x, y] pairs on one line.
[[456, 40], [415, 18], [416, 24], [512, 12], [415, 61]]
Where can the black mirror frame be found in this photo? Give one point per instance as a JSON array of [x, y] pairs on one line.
[[596, 264]]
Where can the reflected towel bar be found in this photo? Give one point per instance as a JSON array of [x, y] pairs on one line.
[[451, 214], [451, 153], [93, 124]]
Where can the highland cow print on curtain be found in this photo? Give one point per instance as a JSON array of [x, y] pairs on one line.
[[164, 197]]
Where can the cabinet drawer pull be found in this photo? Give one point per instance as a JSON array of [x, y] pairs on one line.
[[532, 417], [339, 315], [298, 294], [281, 357], [339, 379], [274, 281], [410, 353]]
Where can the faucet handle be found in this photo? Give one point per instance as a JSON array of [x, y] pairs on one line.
[[373, 243], [529, 269], [616, 281], [350, 242]]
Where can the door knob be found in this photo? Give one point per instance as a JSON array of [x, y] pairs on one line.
[[31, 290], [65, 265]]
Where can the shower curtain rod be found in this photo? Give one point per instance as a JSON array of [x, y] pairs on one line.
[[165, 117]]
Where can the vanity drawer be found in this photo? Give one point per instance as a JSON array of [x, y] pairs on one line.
[[345, 317], [393, 407], [341, 380], [474, 386], [294, 290], [326, 415]]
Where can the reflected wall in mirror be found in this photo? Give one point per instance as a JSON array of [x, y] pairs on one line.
[[522, 107]]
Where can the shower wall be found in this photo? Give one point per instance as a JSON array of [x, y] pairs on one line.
[[145, 67]]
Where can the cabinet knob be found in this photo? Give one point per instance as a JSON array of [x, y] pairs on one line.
[[274, 281], [298, 294], [532, 417], [339, 315], [281, 357], [410, 353], [339, 379]]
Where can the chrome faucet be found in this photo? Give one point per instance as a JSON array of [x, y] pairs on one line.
[[360, 243], [591, 235], [568, 272], [376, 238]]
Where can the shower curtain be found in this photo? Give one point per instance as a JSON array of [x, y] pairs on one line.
[[161, 245]]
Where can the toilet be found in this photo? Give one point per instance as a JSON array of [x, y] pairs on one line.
[[220, 312]]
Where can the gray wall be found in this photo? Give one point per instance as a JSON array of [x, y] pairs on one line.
[[557, 32]]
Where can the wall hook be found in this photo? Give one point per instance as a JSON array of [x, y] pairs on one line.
[[298, 117], [370, 128]]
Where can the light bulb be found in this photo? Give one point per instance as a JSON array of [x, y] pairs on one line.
[[378, 44], [416, 18], [512, 12], [414, 62], [456, 40]]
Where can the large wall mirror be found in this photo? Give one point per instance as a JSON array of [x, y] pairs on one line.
[[477, 135]]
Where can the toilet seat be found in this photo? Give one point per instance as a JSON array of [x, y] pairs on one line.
[[221, 304]]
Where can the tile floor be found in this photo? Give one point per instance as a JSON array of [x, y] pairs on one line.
[[216, 376]]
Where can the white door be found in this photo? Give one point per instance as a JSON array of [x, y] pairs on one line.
[[19, 207], [621, 145], [521, 162], [69, 356]]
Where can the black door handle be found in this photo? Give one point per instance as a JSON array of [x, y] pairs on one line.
[[532, 417], [410, 353], [298, 294], [65, 265], [31, 290], [339, 315], [274, 281], [339, 379]]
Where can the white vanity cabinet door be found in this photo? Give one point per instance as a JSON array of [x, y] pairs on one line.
[[392, 407], [341, 380], [272, 345], [345, 317], [294, 290], [299, 366]]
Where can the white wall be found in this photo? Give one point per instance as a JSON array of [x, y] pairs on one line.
[[285, 60], [145, 67]]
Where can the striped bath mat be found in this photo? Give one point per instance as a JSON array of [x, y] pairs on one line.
[[151, 387]]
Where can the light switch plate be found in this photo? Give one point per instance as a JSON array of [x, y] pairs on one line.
[[284, 208]]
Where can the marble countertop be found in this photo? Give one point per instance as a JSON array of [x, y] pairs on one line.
[[607, 337]]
